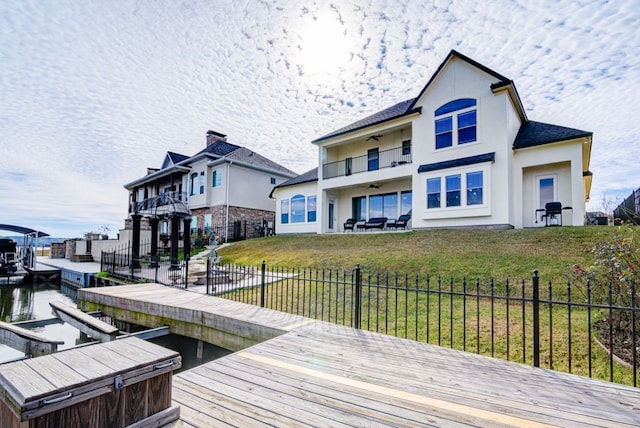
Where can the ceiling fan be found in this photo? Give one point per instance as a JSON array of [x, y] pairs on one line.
[[375, 137]]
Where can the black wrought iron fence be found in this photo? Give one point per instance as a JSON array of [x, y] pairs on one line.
[[120, 263], [556, 326]]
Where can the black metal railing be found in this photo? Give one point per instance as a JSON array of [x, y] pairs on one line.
[[386, 159], [160, 269], [168, 202], [561, 326]]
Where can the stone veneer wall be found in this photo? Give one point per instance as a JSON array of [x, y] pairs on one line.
[[218, 214]]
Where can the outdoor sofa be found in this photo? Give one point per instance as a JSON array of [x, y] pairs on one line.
[[375, 223]]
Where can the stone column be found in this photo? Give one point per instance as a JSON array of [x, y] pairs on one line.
[[135, 241], [154, 241], [175, 235]]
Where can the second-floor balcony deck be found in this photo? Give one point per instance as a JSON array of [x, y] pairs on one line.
[[165, 203], [370, 162]]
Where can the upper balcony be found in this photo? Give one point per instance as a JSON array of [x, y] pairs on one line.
[[373, 161], [167, 203]]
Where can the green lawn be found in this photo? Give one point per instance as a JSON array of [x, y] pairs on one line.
[[500, 254]]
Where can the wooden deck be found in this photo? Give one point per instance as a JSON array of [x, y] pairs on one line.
[[320, 374], [328, 375]]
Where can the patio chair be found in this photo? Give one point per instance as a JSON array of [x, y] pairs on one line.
[[349, 224], [401, 222], [553, 213]]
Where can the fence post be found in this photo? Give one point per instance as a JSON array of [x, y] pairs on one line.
[[357, 298], [208, 275], [263, 283], [536, 319]]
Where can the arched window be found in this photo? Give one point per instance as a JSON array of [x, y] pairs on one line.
[[459, 115], [297, 209]]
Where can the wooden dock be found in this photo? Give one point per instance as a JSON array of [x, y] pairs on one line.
[[319, 374]]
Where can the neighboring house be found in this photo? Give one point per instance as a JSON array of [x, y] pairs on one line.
[[461, 154], [629, 209], [218, 189]]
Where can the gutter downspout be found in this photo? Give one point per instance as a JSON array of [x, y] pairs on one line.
[[226, 235]]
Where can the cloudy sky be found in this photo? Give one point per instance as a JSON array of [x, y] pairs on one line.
[[93, 92]]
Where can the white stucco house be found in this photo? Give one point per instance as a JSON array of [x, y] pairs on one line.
[[461, 154]]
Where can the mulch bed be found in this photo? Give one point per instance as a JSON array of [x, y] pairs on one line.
[[622, 342]]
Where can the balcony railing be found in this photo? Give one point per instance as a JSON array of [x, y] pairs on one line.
[[168, 202], [354, 165]]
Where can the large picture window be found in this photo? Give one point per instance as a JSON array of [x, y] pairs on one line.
[[383, 205], [297, 209], [471, 182], [405, 202], [459, 115], [359, 208]]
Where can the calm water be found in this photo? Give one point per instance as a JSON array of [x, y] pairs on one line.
[[31, 302]]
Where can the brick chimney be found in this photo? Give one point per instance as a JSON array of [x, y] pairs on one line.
[[213, 136]]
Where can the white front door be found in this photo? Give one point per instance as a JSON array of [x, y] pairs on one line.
[[331, 216]]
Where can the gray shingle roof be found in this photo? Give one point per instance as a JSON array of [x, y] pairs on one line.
[[247, 156], [307, 177], [219, 148], [533, 134], [392, 112]]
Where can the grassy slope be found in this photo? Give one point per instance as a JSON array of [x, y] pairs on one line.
[[500, 254]]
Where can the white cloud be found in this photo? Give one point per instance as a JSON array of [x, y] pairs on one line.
[[94, 92]]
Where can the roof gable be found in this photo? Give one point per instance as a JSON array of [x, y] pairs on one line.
[[409, 106], [455, 54], [171, 159]]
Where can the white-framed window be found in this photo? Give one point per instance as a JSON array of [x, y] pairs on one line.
[[284, 211], [311, 208], [433, 192], [461, 189], [456, 123], [202, 182], [192, 183], [297, 209], [216, 178]]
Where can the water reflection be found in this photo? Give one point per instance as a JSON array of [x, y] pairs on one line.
[[31, 302]]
